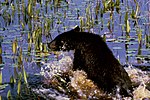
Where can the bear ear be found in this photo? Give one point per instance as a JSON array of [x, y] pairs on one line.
[[76, 29]]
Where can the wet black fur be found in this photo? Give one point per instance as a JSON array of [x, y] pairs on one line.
[[94, 57]]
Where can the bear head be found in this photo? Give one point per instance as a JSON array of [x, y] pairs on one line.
[[64, 41]]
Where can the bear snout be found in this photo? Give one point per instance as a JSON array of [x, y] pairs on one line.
[[52, 45]]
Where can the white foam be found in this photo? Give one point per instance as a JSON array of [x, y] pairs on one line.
[[64, 64]]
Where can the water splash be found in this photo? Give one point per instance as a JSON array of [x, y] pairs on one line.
[[82, 87]]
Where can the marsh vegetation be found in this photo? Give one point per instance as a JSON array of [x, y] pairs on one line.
[[26, 26]]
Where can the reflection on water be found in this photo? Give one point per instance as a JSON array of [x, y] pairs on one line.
[[27, 25]]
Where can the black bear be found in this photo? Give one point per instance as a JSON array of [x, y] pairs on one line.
[[94, 57]]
